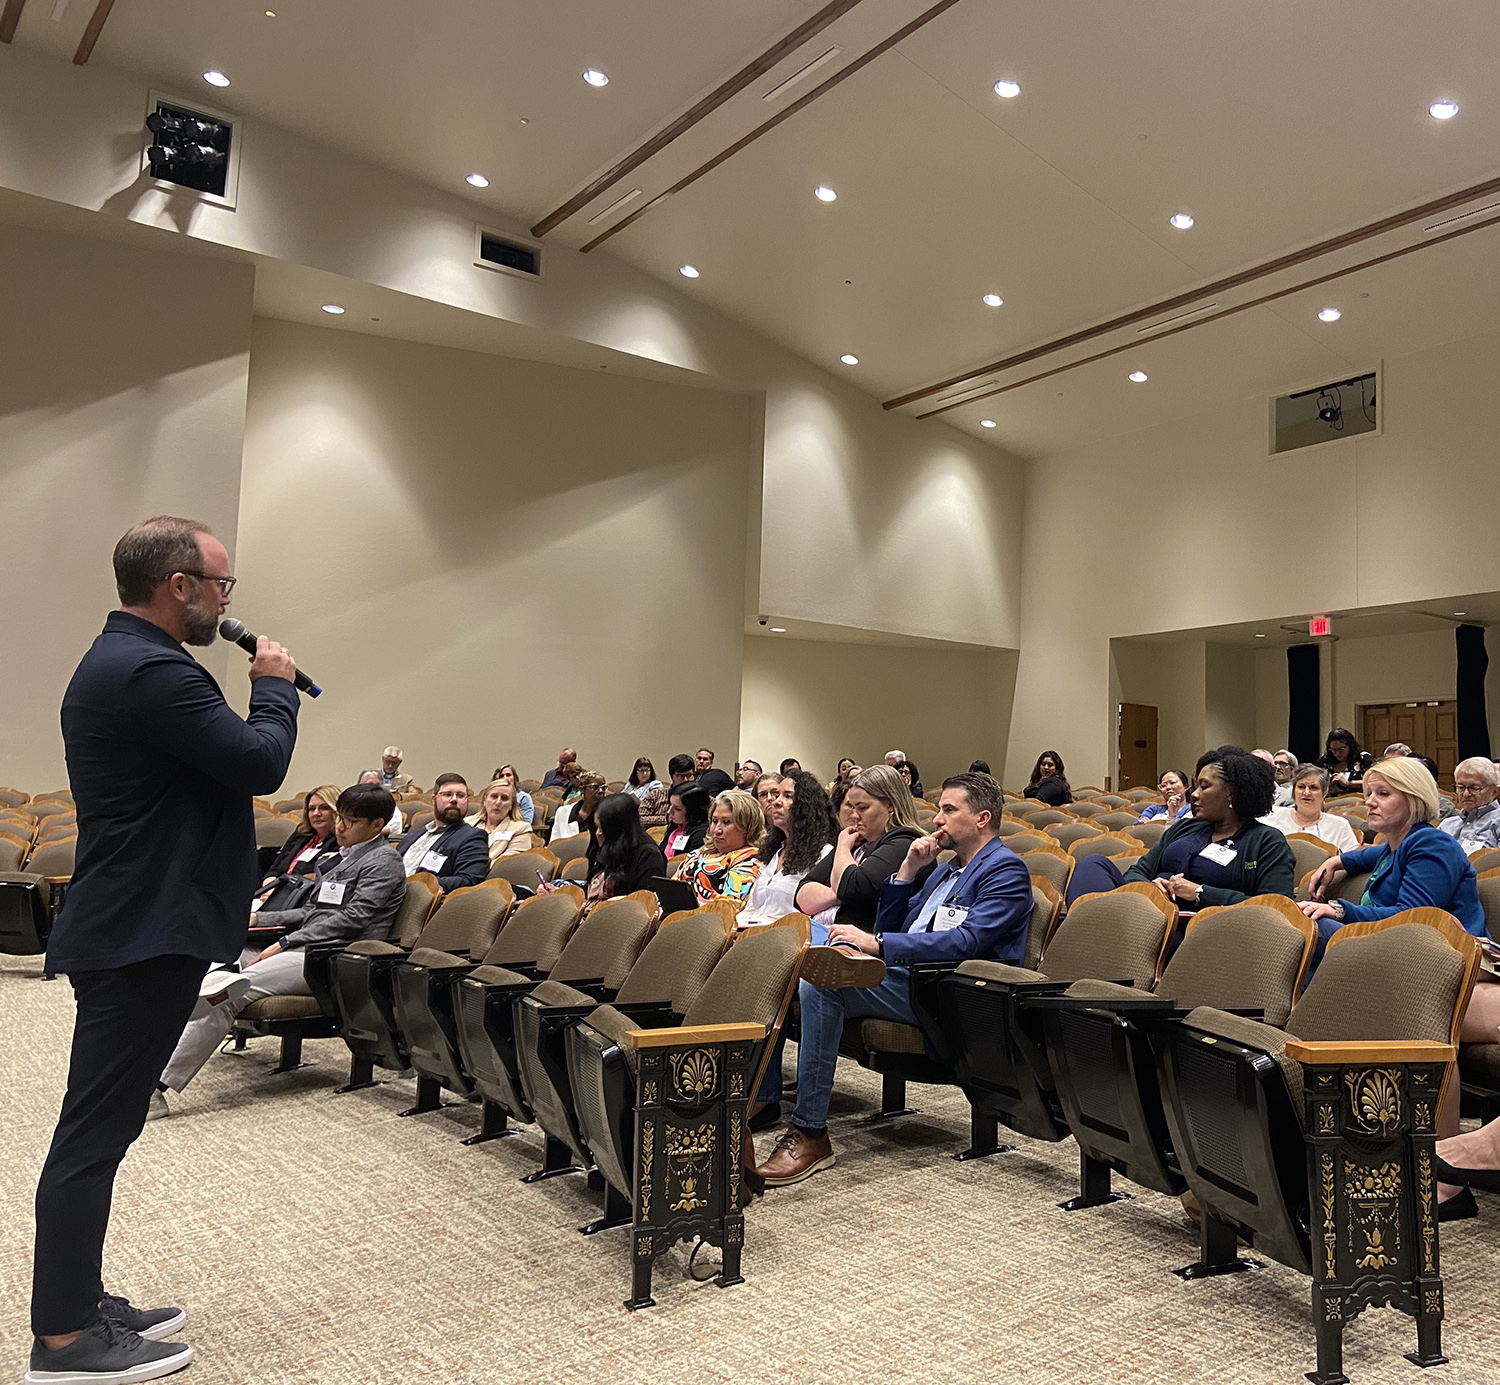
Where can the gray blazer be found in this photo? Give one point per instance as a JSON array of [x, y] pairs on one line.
[[374, 883]]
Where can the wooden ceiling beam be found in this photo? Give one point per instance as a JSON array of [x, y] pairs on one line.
[[10, 18], [91, 33]]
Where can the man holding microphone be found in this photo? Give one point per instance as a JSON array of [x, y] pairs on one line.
[[163, 773]]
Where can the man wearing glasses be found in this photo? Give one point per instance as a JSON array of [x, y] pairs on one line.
[[1284, 765], [163, 773], [1476, 824]]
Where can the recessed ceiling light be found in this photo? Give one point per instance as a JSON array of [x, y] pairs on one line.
[[477, 180], [688, 272], [1460, 613], [1443, 110], [993, 300], [332, 308], [270, 14], [825, 194], [778, 629], [847, 359], [1006, 88], [215, 78], [1329, 315], [1182, 221], [1260, 637], [595, 78], [986, 423], [1139, 376]]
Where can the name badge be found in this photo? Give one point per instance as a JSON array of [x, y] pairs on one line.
[[331, 892], [948, 917], [1220, 853], [433, 861]]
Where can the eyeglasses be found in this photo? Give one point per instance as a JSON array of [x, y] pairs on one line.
[[1469, 788], [226, 584]]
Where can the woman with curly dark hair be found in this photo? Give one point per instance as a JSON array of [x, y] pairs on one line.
[[1345, 762], [803, 830], [1049, 781], [1221, 854]]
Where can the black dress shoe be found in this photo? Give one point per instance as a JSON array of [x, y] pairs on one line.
[[1459, 1207], [1487, 1180], [767, 1118]]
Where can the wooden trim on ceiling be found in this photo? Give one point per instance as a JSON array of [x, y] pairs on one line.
[[710, 103], [906, 31], [1216, 317], [10, 18], [91, 34], [1232, 281]]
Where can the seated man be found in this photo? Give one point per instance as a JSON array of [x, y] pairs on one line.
[[790, 766], [558, 773], [656, 803], [749, 775], [1476, 824], [390, 771], [394, 828], [1285, 766], [979, 905], [712, 781], [448, 847], [358, 894]]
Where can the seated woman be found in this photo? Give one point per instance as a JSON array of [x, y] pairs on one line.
[[802, 832], [583, 790], [727, 863], [766, 791], [882, 824], [1219, 855], [523, 799], [622, 858], [1345, 762], [687, 819], [847, 770], [1176, 791], [500, 818], [1049, 781], [911, 776], [301, 852], [1309, 786], [642, 779]]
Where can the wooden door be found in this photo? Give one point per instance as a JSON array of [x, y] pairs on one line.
[[1137, 746], [1429, 728]]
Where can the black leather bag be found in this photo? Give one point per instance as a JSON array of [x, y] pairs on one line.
[[289, 892]]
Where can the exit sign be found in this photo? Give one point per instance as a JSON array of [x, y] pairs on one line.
[[1319, 625]]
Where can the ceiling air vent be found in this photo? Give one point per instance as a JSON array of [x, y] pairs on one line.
[[508, 254], [1325, 413]]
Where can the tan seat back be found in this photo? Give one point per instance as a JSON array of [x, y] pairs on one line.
[[677, 961], [274, 831], [537, 933], [1118, 935], [1489, 900], [1066, 833], [606, 944], [1055, 867], [466, 921], [1246, 955], [13, 798], [54, 858], [1117, 819], [755, 980], [570, 848], [422, 891], [1046, 904], [1087, 808], [1103, 845], [1308, 851]]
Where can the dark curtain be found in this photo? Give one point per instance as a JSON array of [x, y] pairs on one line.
[[1303, 695], [1473, 721]]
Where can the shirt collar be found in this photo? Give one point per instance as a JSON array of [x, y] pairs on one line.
[[1474, 814], [349, 852], [127, 623]]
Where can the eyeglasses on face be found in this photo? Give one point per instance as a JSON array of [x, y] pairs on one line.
[[226, 584], [1469, 788]]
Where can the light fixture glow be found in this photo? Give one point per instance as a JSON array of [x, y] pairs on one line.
[[270, 14], [688, 272], [825, 194], [595, 78], [477, 180], [333, 308], [847, 359], [1182, 221], [215, 78], [1443, 110], [1007, 89], [1139, 376], [1260, 637], [1460, 613], [993, 300], [986, 423], [1329, 315], [778, 629]]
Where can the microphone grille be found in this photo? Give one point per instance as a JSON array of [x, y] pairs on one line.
[[231, 629]]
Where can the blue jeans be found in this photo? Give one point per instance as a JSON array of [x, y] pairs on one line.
[[823, 1016]]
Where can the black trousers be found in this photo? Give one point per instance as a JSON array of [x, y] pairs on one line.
[[129, 1020]]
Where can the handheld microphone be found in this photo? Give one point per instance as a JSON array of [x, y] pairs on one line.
[[234, 631]]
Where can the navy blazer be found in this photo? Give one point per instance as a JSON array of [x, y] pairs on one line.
[[995, 889], [163, 772], [467, 849]]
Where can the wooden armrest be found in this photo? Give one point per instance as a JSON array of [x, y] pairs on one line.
[[698, 1034], [1370, 1051]]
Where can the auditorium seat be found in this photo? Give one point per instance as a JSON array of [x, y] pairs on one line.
[[25, 913], [1030, 840], [1309, 852], [1103, 845], [1114, 800], [13, 798], [43, 808], [569, 848], [519, 870], [420, 818], [1087, 808], [290, 806], [54, 859], [1054, 866], [274, 831], [1066, 833], [576, 869], [12, 851], [1006, 827], [1342, 886], [1485, 859], [657, 834], [1117, 819], [1146, 833]]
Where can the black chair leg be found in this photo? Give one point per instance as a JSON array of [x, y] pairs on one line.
[[1330, 1336], [494, 1124], [1429, 1350], [556, 1159], [291, 1053], [1093, 1187], [239, 1041], [616, 1213], [984, 1139], [640, 1274], [1218, 1251], [361, 1075], [892, 1099], [429, 1097]]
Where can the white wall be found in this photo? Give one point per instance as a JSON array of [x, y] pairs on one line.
[[1229, 695], [1167, 675], [122, 395]]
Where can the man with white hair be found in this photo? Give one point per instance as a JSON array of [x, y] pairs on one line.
[[1476, 824], [895, 757], [390, 777], [1284, 764], [1395, 750]]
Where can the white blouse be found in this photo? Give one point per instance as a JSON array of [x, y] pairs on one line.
[[1330, 828], [774, 893]]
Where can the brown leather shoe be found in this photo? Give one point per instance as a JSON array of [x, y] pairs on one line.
[[797, 1155], [833, 968]]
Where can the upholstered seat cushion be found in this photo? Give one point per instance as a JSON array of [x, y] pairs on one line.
[[498, 976], [887, 1036], [1253, 1034], [374, 947], [1481, 1063], [282, 1007], [998, 971], [560, 993], [1105, 990], [615, 1025], [435, 959]]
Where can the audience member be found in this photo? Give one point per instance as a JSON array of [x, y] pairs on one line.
[[1345, 762], [1284, 766], [643, 781], [523, 799], [1446, 807], [882, 825], [499, 818], [1396, 750], [767, 791], [359, 892], [557, 774], [727, 863], [687, 818], [1221, 854], [390, 776], [979, 767], [712, 781], [894, 757], [1476, 824], [447, 847], [1049, 781], [749, 774], [790, 766], [1176, 791], [847, 769], [1416, 867], [301, 852], [394, 828], [913, 780], [978, 905], [577, 808], [622, 858], [1309, 788], [836, 796], [654, 802]]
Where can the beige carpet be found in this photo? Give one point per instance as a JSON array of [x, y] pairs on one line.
[[318, 1240]]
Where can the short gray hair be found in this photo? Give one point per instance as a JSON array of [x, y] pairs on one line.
[[394, 750], [1311, 771], [1485, 769], [151, 552]]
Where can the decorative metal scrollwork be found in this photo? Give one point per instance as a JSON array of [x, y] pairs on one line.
[[690, 1156], [1375, 1100], [695, 1075]]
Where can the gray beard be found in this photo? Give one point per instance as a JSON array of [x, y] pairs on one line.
[[199, 626]]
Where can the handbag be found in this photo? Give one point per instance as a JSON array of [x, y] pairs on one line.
[[289, 892]]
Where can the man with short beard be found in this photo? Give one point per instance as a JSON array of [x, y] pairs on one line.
[[448, 847]]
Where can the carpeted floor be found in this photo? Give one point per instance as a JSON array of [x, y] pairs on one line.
[[318, 1240]]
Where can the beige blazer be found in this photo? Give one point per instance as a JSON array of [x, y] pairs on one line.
[[509, 839]]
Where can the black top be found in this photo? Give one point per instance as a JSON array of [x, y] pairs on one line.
[[647, 863], [1354, 771], [860, 886], [1263, 862], [713, 782], [288, 853], [697, 834], [1050, 790]]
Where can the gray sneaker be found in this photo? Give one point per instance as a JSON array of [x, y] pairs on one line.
[[154, 1324], [106, 1354]]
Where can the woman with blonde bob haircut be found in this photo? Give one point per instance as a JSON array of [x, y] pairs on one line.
[[728, 862], [499, 818]]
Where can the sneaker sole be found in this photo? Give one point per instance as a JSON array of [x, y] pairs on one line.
[[830, 969], [825, 1163], [163, 1330], [147, 1370]]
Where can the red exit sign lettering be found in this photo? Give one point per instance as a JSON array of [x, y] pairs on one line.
[[1319, 625]]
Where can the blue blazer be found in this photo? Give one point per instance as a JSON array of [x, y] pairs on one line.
[[163, 772], [467, 849], [1428, 870], [995, 889]]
